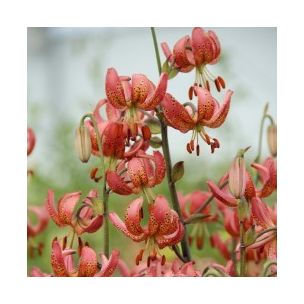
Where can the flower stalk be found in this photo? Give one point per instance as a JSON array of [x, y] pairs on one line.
[[167, 156], [105, 192]]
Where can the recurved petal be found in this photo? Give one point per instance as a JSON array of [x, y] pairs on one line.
[[114, 89], [182, 54], [109, 266], [220, 115], [216, 47], [205, 103], [157, 95], [261, 213], [140, 88], [118, 223], [160, 167], [133, 217], [117, 184], [167, 52], [202, 47], [43, 219], [93, 225], [176, 114], [66, 207], [113, 114], [224, 197], [137, 172], [197, 199], [87, 262], [57, 260], [51, 208], [96, 112]]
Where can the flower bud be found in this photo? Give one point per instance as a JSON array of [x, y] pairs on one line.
[[83, 143], [272, 139], [237, 177]]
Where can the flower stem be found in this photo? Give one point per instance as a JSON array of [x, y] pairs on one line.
[[166, 151], [105, 193], [243, 251]]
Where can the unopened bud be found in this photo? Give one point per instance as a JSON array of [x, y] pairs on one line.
[[237, 177], [154, 125], [272, 139], [155, 142], [83, 143]]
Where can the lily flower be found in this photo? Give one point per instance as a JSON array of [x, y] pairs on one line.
[[63, 264], [163, 229], [197, 51], [137, 174], [43, 220], [134, 94], [209, 113], [190, 203], [89, 218], [265, 218]]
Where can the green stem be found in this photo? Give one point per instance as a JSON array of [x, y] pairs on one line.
[[166, 151], [105, 193], [243, 251]]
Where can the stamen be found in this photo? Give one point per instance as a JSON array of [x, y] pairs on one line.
[[163, 260], [207, 85], [217, 84], [197, 150], [189, 148], [192, 144], [190, 92], [139, 257]]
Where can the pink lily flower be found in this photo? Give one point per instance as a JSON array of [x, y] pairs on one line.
[[43, 220], [197, 51], [140, 94], [209, 113], [63, 263], [164, 227], [265, 217], [88, 220], [137, 174], [190, 203]]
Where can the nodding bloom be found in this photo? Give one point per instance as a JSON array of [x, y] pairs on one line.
[[197, 51], [133, 95], [63, 264], [190, 203], [31, 140], [158, 269], [137, 174], [209, 113], [88, 217], [265, 218], [163, 229], [43, 220], [115, 133]]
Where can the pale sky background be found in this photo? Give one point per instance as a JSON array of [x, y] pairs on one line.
[[67, 66]]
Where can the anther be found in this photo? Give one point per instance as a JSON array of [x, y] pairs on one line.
[[64, 242], [139, 256], [189, 148], [221, 81], [197, 150], [190, 92], [207, 85], [217, 84], [163, 260], [146, 133]]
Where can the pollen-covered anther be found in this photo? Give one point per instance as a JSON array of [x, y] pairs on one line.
[[217, 84], [163, 260], [139, 257], [221, 82], [189, 148], [197, 150]]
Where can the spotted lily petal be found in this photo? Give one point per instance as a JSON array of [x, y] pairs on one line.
[[117, 184], [261, 213], [57, 260], [183, 56], [114, 89], [176, 114], [109, 266], [220, 115], [51, 208], [224, 197], [66, 207], [133, 217], [206, 104], [87, 262], [160, 167]]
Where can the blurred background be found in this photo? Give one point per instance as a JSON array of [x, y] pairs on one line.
[[66, 72]]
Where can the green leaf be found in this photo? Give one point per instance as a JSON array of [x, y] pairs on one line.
[[178, 171], [155, 142]]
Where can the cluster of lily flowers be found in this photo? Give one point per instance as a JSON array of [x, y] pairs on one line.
[[136, 110]]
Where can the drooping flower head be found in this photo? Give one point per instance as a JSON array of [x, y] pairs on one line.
[[140, 173], [63, 263], [197, 51], [208, 113], [133, 95], [190, 204], [163, 229], [89, 217]]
